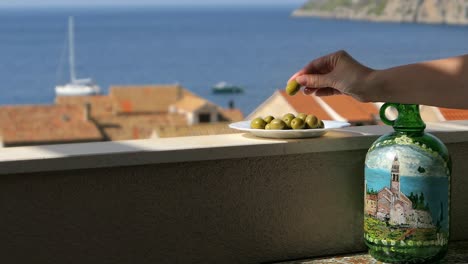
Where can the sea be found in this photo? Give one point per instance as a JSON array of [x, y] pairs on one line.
[[256, 47]]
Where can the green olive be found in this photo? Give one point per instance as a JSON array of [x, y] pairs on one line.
[[292, 87], [312, 121], [297, 123], [268, 119], [258, 123], [287, 118], [321, 125], [267, 127], [302, 116], [277, 124]]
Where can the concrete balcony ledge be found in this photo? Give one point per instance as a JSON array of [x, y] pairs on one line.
[[211, 199], [184, 149]]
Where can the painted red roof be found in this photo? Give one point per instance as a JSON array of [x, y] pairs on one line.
[[125, 127], [146, 99], [454, 114], [232, 115], [351, 109], [345, 106], [305, 104], [100, 104], [46, 124]]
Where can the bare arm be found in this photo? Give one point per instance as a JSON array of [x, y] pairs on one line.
[[440, 82]]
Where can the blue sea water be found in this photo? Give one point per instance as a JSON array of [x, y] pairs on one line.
[[256, 47]]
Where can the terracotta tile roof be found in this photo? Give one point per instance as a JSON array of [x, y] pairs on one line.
[[351, 109], [343, 105], [100, 104], [306, 104], [146, 99], [45, 124], [132, 112], [126, 127], [195, 130], [454, 114], [232, 115], [190, 103]]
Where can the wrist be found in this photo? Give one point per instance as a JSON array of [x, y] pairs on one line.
[[374, 86]]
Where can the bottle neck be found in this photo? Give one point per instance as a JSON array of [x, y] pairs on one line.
[[408, 119]]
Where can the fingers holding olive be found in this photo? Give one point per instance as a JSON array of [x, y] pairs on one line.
[[292, 87]]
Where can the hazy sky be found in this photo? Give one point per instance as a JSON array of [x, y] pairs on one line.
[[145, 2]]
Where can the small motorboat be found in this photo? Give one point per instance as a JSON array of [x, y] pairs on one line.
[[226, 88]]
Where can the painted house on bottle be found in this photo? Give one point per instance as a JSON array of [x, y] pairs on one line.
[[391, 205]]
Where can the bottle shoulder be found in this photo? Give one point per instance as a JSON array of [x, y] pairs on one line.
[[420, 140]]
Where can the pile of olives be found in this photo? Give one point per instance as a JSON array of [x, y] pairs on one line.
[[288, 121]]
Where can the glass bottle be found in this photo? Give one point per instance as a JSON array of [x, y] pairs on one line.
[[407, 188]]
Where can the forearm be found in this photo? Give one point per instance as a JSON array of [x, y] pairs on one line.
[[439, 82]]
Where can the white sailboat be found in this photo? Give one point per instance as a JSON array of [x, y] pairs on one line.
[[76, 86]]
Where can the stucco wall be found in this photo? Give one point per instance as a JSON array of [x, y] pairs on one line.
[[276, 106], [248, 210]]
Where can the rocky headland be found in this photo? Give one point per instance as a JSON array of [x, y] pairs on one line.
[[410, 11]]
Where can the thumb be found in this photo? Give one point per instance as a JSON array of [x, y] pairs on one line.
[[316, 80]]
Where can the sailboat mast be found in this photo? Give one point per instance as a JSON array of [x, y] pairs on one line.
[[71, 51]]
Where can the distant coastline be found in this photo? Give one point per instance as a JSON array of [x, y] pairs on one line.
[[453, 12]]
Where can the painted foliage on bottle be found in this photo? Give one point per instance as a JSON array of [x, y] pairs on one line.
[[406, 194]]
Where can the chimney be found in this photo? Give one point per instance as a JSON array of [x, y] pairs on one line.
[[179, 92], [87, 111]]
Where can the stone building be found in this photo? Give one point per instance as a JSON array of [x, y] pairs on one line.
[[394, 206], [371, 204]]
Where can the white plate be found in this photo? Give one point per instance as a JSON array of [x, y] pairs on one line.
[[292, 133]]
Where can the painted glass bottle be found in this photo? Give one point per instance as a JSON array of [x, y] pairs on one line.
[[407, 188]]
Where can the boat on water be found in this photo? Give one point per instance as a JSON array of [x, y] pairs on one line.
[[226, 88], [76, 86]]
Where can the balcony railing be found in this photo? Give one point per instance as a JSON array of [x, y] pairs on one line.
[[210, 199]]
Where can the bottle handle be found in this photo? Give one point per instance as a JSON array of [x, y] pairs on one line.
[[383, 117]]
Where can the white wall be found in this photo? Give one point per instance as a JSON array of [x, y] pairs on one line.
[[276, 106], [212, 110]]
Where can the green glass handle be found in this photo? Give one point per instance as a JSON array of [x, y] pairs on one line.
[[383, 117], [407, 120]]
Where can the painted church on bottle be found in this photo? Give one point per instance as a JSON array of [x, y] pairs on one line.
[[393, 206]]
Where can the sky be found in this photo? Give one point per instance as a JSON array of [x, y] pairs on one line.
[[20, 3]]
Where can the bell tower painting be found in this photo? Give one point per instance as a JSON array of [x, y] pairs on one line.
[[395, 179]]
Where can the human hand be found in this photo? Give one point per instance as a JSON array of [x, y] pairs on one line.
[[336, 73]]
